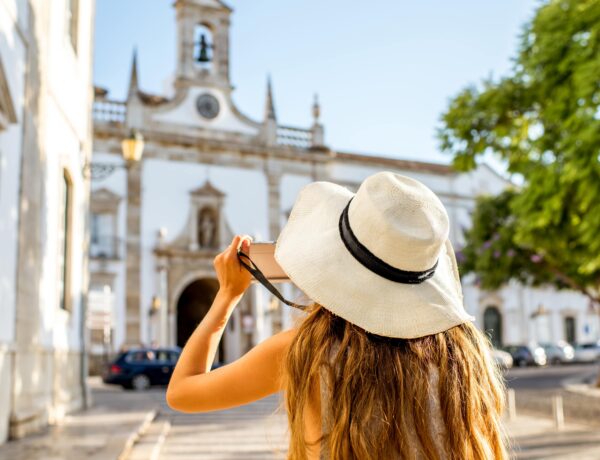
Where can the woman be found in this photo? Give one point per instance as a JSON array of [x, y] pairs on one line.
[[386, 364]]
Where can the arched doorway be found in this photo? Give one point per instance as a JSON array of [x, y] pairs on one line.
[[194, 302], [492, 325]]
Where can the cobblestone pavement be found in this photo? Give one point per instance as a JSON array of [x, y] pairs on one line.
[[256, 431], [253, 432], [578, 408], [536, 438], [535, 388], [99, 433]]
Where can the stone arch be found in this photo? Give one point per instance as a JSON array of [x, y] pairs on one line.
[[204, 36], [192, 305], [181, 281], [492, 324]]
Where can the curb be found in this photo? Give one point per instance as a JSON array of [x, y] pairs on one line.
[[161, 440], [137, 434], [582, 388]]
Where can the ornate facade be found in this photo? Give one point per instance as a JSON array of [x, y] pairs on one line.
[[208, 172]]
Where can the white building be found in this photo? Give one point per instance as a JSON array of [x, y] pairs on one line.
[[208, 172], [45, 141]]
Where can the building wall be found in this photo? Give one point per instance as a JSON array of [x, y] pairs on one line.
[[13, 54], [166, 203], [49, 369], [165, 207]]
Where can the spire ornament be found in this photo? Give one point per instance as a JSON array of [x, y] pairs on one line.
[[316, 109], [133, 79], [269, 104]]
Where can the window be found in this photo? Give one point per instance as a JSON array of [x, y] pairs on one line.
[[64, 240], [168, 356], [8, 114], [102, 236], [141, 356], [73, 22]]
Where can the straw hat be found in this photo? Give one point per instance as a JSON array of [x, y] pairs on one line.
[[380, 258]]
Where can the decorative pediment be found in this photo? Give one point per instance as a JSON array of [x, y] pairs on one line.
[[104, 200], [8, 113], [206, 230], [208, 189]]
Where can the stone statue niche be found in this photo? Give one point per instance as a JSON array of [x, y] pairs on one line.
[[207, 228]]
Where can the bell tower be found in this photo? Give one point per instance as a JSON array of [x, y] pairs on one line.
[[203, 43]]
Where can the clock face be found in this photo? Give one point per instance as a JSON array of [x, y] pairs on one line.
[[207, 106]]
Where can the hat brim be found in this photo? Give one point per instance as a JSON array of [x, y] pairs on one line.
[[311, 252]]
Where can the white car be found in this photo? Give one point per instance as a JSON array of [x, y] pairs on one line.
[[559, 353], [503, 359], [587, 353]]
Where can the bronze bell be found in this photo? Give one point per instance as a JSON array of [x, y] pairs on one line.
[[203, 54]]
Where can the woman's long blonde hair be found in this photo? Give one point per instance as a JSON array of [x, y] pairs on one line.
[[380, 392]]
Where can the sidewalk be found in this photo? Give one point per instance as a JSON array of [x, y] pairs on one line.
[[536, 438], [100, 433], [252, 431]]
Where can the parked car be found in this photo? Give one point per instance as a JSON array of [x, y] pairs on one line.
[[139, 368], [558, 353], [503, 359], [527, 355], [587, 353]]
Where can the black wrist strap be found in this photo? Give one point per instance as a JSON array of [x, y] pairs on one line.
[[262, 279]]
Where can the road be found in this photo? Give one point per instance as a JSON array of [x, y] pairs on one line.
[[550, 377], [535, 387]]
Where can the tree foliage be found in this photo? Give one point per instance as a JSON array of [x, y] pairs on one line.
[[543, 121]]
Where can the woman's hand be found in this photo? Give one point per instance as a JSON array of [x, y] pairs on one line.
[[233, 278]]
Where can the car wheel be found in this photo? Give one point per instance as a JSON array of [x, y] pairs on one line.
[[556, 361], [521, 363], [140, 382]]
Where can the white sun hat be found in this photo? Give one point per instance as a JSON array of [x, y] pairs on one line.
[[381, 258]]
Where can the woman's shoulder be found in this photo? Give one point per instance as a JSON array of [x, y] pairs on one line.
[[285, 337], [277, 346]]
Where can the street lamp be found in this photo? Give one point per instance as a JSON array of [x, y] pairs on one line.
[[132, 148], [154, 306]]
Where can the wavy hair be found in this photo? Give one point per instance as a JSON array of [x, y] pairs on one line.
[[382, 392]]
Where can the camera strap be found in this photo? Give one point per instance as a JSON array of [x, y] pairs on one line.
[[262, 279]]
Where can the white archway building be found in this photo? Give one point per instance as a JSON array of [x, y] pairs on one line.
[[200, 151]]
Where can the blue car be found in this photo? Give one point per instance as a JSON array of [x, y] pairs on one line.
[[139, 368]]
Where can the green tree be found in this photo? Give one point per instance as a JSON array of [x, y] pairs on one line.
[[543, 122]]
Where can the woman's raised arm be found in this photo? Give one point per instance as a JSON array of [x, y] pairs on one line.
[[193, 386]]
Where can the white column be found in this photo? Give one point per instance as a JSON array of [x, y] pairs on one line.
[[163, 316], [274, 203]]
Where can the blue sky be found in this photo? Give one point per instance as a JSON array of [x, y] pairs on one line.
[[384, 70]]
